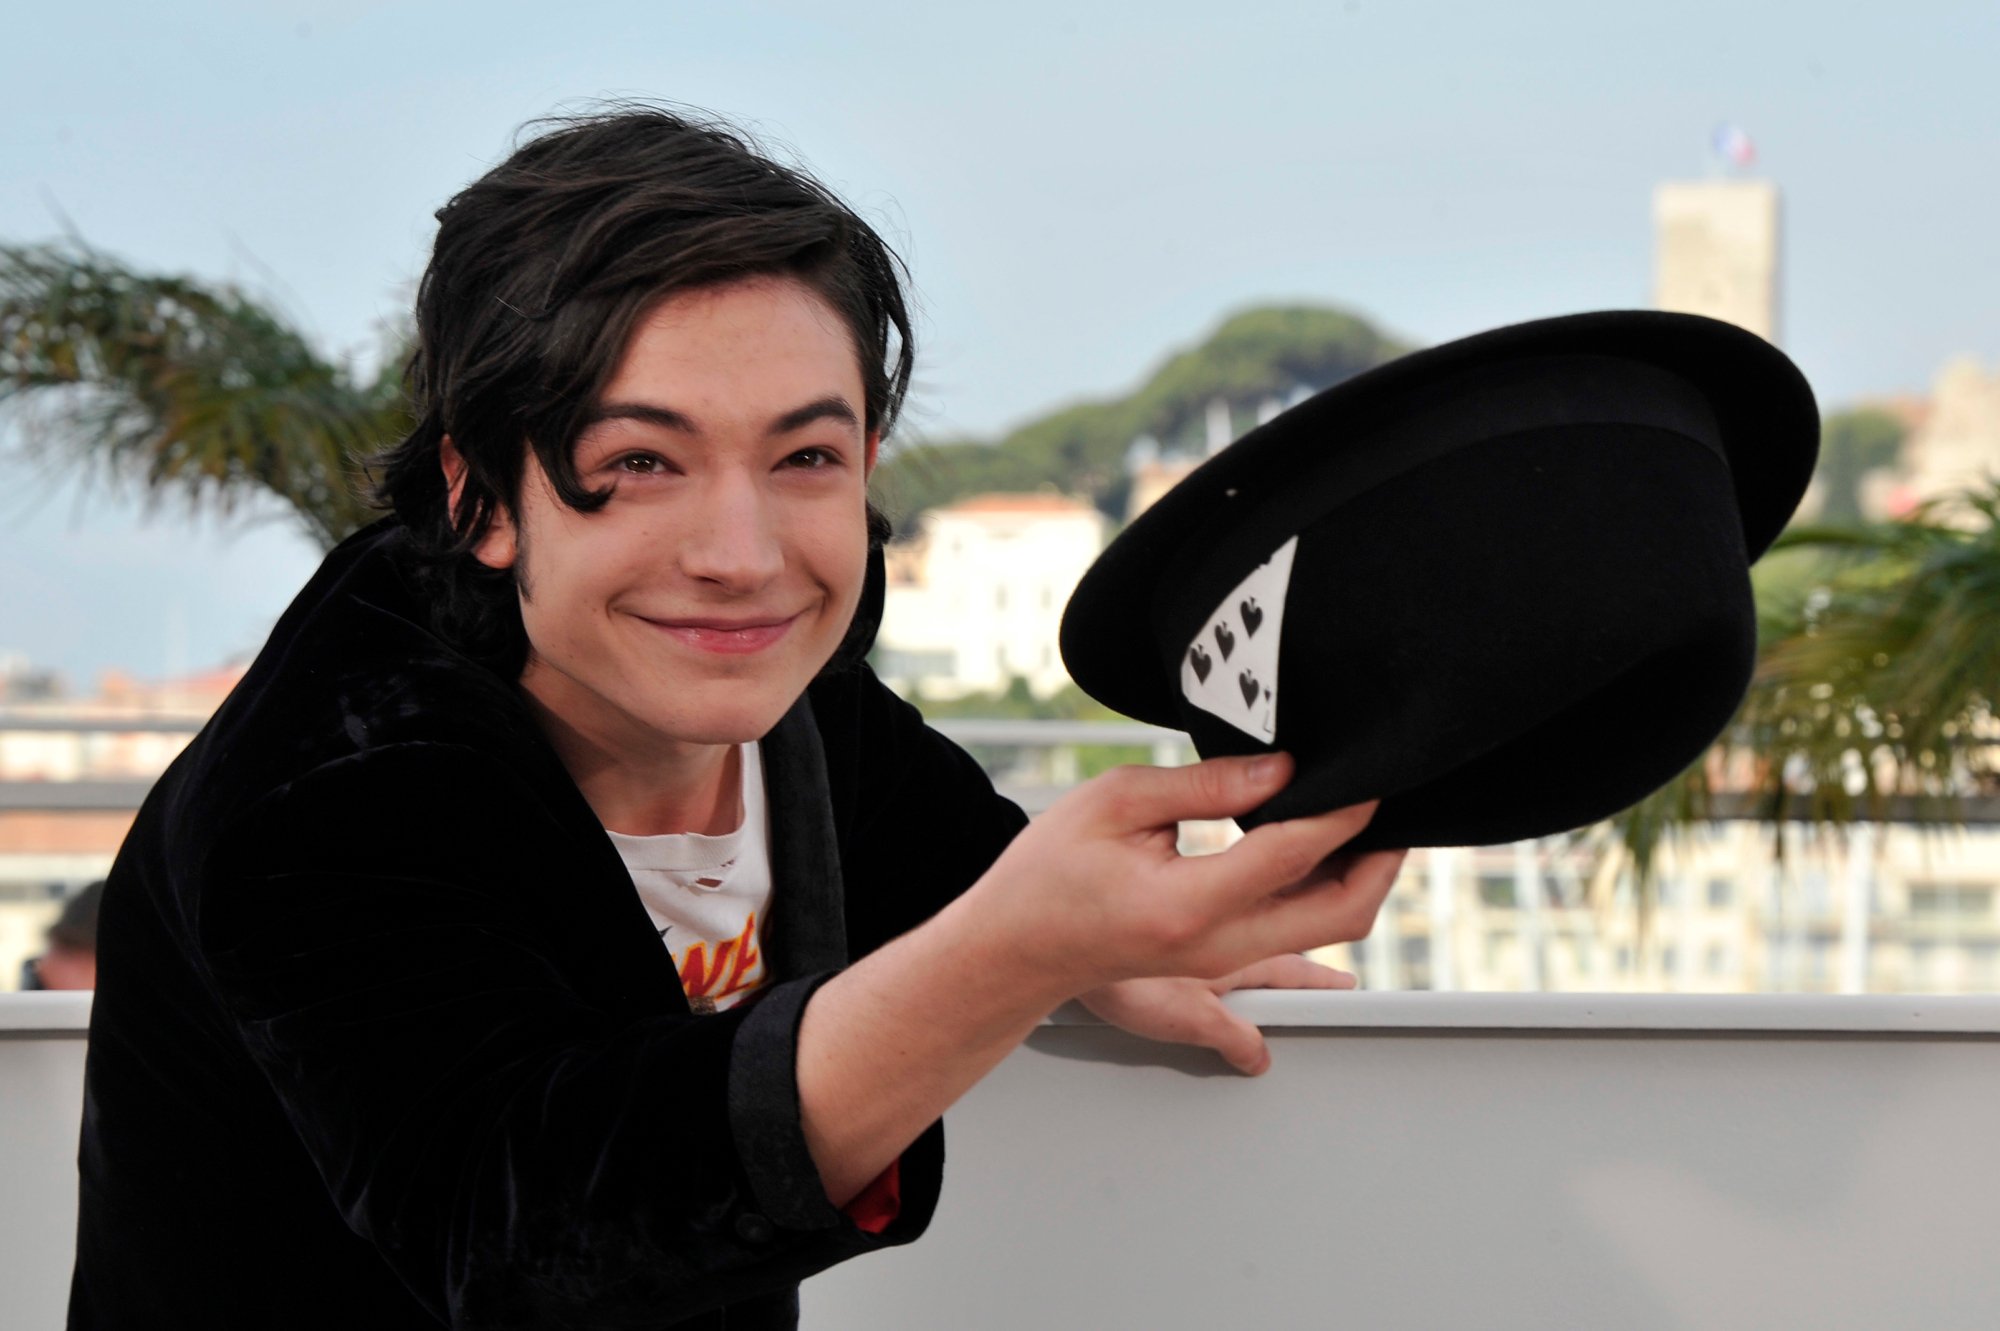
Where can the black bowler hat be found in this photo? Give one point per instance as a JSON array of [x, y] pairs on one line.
[[1500, 584]]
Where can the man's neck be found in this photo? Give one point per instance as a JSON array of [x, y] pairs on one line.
[[675, 786]]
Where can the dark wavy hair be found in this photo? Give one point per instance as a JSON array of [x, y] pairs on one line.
[[541, 269]]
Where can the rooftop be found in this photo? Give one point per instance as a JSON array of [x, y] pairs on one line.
[[1003, 504]]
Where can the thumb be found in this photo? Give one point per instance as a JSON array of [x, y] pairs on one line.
[[1212, 788]]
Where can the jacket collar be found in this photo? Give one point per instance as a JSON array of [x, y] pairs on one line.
[[806, 930]]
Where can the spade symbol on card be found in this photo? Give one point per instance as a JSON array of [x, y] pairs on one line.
[[1252, 616], [1245, 629]]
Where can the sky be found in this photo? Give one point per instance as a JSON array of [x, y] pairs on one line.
[[1078, 191]]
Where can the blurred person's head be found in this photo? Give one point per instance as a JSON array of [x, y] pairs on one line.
[[71, 959], [544, 271]]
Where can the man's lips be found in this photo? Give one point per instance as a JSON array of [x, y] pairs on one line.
[[726, 636]]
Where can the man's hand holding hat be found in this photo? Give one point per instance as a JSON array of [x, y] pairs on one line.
[[1092, 898]]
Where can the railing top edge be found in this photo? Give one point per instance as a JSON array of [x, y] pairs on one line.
[[1694, 1015], [67, 1014], [55, 1014]]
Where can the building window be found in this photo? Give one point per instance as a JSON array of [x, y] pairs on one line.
[[1721, 894], [1000, 597], [1496, 890], [1416, 957], [1580, 955], [1955, 901], [1716, 960], [905, 663]]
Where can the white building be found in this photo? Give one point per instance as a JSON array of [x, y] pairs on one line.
[[1958, 444], [1897, 910], [975, 598]]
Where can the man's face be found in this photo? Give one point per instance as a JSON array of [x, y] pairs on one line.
[[701, 600]]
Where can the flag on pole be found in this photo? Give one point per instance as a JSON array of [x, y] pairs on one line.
[[1732, 145]]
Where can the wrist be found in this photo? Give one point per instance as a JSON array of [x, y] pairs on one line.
[[1013, 963]]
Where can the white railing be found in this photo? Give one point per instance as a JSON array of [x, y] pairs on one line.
[[1410, 1161]]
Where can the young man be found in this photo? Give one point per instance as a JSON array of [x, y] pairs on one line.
[[560, 925]]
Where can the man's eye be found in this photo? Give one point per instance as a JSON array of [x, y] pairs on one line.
[[813, 459], [639, 464]]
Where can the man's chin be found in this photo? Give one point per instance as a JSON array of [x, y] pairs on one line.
[[736, 721]]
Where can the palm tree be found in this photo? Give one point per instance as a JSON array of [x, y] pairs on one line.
[[1888, 686], [1876, 686], [190, 389]]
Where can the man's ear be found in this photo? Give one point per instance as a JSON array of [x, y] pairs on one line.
[[498, 547], [874, 443]]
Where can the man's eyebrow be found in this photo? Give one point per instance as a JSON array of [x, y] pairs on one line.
[[664, 417], [831, 407]]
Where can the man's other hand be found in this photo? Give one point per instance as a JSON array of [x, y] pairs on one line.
[[1189, 1011]]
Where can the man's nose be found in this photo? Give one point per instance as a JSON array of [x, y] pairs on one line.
[[732, 536]]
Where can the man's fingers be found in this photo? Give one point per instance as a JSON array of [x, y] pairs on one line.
[[1375, 872], [1279, 855], [1339, 911], [1239, 1041], [1142, 797], [1288, 970]]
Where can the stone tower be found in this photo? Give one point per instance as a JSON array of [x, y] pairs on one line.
[[1716, 251]]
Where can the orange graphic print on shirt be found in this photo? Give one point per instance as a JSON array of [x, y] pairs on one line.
[[729, 971]]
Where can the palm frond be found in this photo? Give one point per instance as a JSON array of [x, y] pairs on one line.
[[1876, 679], [187, 389], [1891, 676]]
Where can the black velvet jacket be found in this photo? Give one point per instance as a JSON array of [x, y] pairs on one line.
[[384, 1038]]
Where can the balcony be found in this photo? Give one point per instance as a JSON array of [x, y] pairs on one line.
[[1497, 1161]]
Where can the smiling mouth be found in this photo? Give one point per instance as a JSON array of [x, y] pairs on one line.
[[723, 637]]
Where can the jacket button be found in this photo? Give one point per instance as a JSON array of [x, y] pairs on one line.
[[753, 1228]]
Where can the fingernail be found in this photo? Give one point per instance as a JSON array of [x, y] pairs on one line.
[[1264, 768]]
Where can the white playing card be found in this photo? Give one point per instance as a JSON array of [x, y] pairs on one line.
[[1231, 668]]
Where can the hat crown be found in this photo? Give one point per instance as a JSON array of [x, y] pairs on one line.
[[1519, 596], [1473, 601]]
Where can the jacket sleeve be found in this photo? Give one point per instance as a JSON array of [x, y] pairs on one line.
[[393, 937]]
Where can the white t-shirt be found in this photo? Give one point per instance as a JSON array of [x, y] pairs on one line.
[[708, 896]]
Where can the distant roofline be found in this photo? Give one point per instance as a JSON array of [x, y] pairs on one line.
[[1002, 502]]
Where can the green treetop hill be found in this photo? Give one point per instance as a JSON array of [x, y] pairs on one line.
[[1081, 449]]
